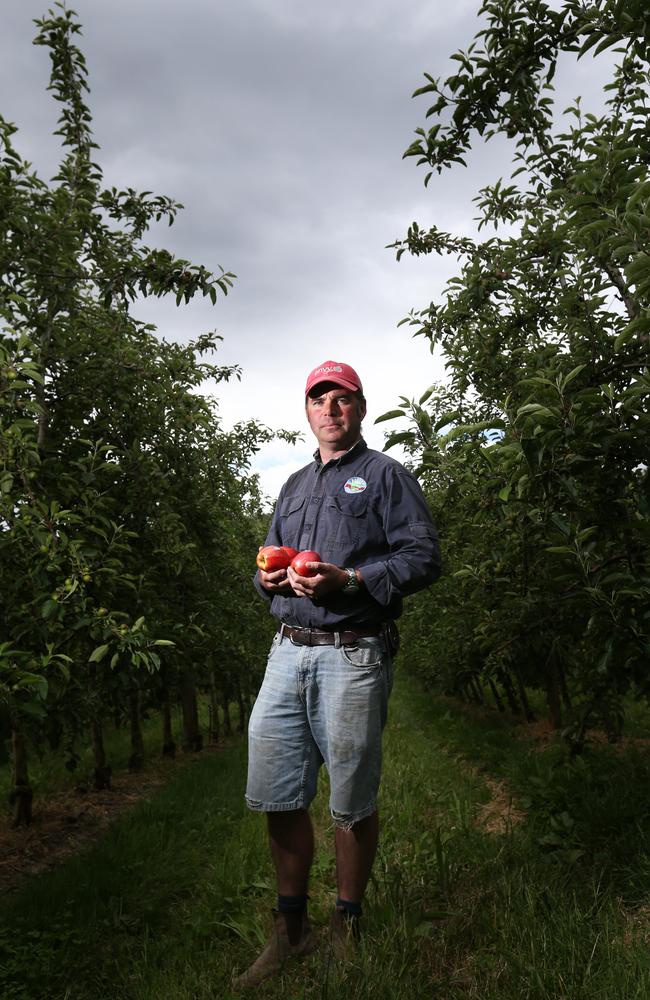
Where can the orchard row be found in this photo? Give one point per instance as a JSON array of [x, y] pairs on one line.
[[535, 452], [129, 521]]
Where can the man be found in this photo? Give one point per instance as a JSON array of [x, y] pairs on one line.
[[325, 693]]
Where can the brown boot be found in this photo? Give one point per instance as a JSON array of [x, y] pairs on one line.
[[277, 951], [344, 936]]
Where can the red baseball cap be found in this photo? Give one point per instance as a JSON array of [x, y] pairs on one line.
[[336, 372]]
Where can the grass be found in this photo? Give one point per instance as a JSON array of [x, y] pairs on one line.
[[177, 894]]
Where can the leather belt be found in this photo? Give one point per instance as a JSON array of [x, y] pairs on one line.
[[320, 637]]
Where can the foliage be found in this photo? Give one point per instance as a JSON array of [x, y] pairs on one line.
[[535, 455], [124, 506]]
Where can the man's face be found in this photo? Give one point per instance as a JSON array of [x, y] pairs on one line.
[[335, 416]]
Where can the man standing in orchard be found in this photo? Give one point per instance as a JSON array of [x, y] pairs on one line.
[[325, 693]]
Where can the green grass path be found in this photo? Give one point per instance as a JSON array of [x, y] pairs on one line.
[[177, 893]]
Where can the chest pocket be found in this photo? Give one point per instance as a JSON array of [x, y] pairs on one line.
[[347, 520], [292, 516]]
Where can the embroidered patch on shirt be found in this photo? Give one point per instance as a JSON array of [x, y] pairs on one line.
[[355, 484]]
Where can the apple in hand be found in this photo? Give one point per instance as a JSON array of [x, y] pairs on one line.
[[273, 557], [299, 562]]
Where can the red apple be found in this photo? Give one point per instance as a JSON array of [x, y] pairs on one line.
[[299, 562], [292, 552], [273, 557]]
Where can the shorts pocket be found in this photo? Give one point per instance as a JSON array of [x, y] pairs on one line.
[[369, 655], [275, 642]]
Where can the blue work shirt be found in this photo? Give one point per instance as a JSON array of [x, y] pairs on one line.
[[363, 510]]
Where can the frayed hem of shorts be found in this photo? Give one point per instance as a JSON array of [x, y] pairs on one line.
[[343, 821], [272, 807]]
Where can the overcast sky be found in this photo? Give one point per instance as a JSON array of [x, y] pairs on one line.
[[280, 126]]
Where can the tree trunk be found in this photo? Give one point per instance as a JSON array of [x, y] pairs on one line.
[[241, 727], [102, 769], [136, 760], [496, 695], [227, 725], [20, 796], [168, 747], [553, 690], [192, 739], [511, 696], [529, 715], [215, 728], [566, 697], [474, 690]]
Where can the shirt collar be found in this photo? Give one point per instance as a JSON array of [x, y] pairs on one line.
[[347, 456]]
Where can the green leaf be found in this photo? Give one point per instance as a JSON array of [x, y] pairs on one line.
[[561, 523], [98, 654], [390, 415], [639, 325], [534, 408], [35, 681], [478, 428], [48, 608], [446, 418], [573, 374], [400, 437]]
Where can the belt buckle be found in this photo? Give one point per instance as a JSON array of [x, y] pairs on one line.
[[297, 629]]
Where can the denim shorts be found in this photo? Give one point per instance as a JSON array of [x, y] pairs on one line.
[[319, 704]]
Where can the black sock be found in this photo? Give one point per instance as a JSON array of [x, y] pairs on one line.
[[350, 908], [293, 909], [292, 904]]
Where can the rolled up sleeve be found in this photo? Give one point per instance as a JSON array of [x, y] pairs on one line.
[[413, 559]]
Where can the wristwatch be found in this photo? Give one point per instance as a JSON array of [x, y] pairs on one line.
[[351, 585]]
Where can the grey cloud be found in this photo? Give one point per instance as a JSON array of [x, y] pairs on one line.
[[281, 127]]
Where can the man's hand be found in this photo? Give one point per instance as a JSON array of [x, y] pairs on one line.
[[328, 579], [276, 581]]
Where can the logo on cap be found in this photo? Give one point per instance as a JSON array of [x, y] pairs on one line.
[[326, 369]]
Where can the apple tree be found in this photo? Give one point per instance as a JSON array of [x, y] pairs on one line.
[[124, 505], [535, 452]]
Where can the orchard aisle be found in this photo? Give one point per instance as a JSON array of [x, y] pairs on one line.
[[176, 895]]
